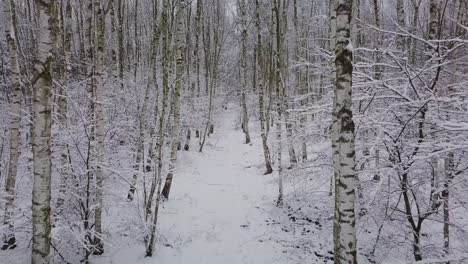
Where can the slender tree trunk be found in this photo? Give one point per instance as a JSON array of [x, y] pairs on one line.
[[113, 38], [152, 82], [279, 201], [100, 129], [140, 142], [157, 181], [343, 137], [136, 43], [120, 38], [245, 114], [179, 47], [414, 27], [401, 17], [63, 103], [41, 141], [446, 203], [331, 44], [279, 92], [9, 239], [300, 79], [198, 22], [434, 17], [87, 202], [264, 127], [378, 56]]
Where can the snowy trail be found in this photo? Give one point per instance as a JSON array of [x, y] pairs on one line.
[[215, 213]]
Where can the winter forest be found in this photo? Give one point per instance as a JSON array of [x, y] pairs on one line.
[[233, 131]]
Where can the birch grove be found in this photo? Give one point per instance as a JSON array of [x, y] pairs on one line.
[[125, 122]]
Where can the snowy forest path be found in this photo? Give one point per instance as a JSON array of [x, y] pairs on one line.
[[219, 206], [216, 212]]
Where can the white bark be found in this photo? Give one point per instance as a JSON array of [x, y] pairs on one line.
[[343, 138], [157, 181], [9, 239], [245, 114], [41, 141], [100, 130], [179, 43], [401, 23], [140, 143], [434, 17], [264, 126], [63, 104]]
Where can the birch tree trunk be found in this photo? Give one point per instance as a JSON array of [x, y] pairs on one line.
[[300, 79], [41, 141], [100, 129], [279, 93], [198, 16], [449, 171], [120, 39], [63, 102], [434, 17], [378, 56], [157, 181], [400, 6], [152, 82], [180, 48], [264, 127], [245, 114], [282, 29], [414, 28], [343, 137], [279, 202], [331, 43], [140, 141], [9, 239]]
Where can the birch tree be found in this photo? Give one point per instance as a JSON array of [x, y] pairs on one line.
[[100, 129], [179, 80], [245, 114], [63, 100], [343, 137], [9, 239], [264, 114], [41, 141], [157, 181]]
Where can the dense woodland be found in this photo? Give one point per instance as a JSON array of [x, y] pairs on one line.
[[360, 108]]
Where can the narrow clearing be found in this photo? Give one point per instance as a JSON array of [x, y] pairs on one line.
[[216, 211]]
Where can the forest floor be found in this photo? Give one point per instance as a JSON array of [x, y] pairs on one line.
[[219, 206]]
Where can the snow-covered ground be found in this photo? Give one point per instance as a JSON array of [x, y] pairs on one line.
[[222, 209], [218, 207]]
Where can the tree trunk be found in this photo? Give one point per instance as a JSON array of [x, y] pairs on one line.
[[448, 177], [63, 103], [279, 202], [157, 181], [140, 142], [264, 127], [279, 91], [198, 16], [179, 47], [378, 56], [41, 141], [100, 129], [120, 39], [434, 17], [245, 114], [401, 42], [9, 239], [343, 137]]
